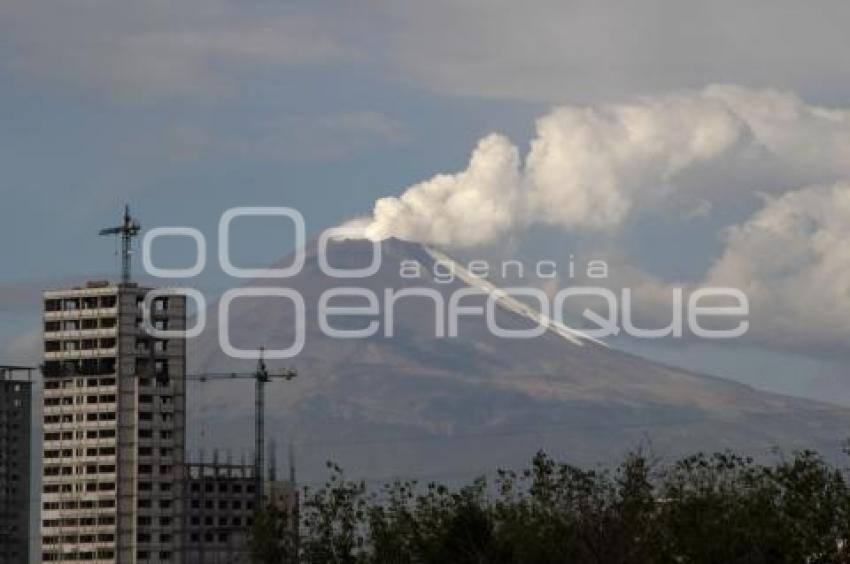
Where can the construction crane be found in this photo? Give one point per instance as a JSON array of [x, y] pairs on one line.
[[261, 377], [128, 230]]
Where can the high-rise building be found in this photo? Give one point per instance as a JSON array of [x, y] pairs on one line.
[[15, 437], [114, 426]]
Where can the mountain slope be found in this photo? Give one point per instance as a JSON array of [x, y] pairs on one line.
[[418, 405]]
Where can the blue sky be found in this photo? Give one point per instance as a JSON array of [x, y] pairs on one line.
[[184, 111]]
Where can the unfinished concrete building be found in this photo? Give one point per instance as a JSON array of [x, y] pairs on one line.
[[221, 500], [114, 426]]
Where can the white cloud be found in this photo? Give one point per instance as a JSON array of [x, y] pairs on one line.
[[596, 168], [790, 258], [793, 261], [152, 48]]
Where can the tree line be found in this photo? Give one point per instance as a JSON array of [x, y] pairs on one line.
[[720, 508]]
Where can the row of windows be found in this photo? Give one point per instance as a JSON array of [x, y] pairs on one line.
[[209, 537], [148, 486], [165, 435], [80, 470], [84, 302], [159, 346], [159, 369], [163, 417], [223, 487], [146, 503], [81, 504], [67, 487], [163, 451], [165, 469], [90, 434], [82, 366], [80, 452], [159, 304], [164, 399], [70, 400], [147, 521], [85, 556], [79, 345], [75, 539], [70, 418], [81, 382], [235, 505], [235, 522], [80, 324], [143, 555], [146, 537], [79, 521]]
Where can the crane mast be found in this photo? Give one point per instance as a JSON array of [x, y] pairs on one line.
[[127, 231], [261, 378]]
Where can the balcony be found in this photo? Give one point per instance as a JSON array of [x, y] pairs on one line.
[[81, 354], [82, 333]]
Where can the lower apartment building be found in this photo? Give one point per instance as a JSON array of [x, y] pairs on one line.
[[15, 437]]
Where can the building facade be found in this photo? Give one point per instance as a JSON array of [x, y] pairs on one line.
[[15, 438], [114, 427], [221, 501]]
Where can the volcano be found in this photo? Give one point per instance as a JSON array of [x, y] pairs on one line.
[[418, 405]]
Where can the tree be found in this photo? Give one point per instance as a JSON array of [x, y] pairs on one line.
[[272, 537]]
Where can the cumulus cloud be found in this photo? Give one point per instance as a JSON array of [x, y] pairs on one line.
[[594, 168], [793, 261]]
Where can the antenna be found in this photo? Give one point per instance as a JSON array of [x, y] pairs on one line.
[[291, 465], [272, 461], [128, 230]]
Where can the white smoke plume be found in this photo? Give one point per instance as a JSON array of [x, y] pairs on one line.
[[592, 168]]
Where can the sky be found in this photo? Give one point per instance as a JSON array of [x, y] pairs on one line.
[[686, 143]]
